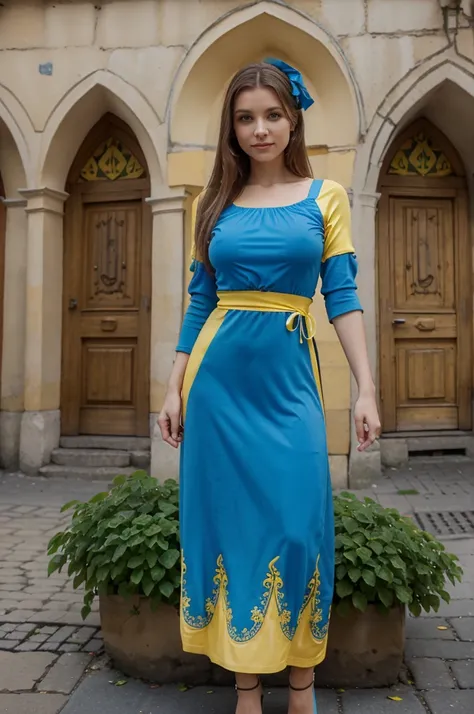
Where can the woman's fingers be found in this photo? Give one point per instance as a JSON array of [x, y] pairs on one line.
[[165, 422]]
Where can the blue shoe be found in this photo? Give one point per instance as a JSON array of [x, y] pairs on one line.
[[302, 689]]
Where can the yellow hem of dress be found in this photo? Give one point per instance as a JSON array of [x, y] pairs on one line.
[[250, 669]]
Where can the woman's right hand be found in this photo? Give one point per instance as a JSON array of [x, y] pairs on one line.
[[169, 419]]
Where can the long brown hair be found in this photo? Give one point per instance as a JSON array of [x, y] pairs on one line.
[[232, 165]]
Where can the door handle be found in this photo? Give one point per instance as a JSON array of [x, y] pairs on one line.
[[398, 321], [72, 304]]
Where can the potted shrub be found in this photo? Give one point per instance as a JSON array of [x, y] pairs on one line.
[[384, 564], [123, 545]]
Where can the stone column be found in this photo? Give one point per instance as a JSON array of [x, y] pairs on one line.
[[13, 367], [167, 313], [365, 468], [40, 425]]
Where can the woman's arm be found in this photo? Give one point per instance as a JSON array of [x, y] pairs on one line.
[[169, 420], [351, 333]]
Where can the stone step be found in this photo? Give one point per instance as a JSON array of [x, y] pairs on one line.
[[120, 443], [97, 473], [141, 459], [91, 457]]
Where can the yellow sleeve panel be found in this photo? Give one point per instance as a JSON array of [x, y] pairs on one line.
[[194, 209], [333, 203]]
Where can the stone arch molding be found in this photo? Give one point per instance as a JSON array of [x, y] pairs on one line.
[[248, 34], [81, 108], [398, 107], [20, 142]]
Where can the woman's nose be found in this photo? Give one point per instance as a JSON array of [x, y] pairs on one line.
[[261, 129]]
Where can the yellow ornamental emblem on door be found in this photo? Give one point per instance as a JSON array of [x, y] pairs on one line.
[[112, 161]]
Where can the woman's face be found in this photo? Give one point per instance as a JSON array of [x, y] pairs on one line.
[[260, 124]]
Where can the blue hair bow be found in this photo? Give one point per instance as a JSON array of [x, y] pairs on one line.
[[302, 97]]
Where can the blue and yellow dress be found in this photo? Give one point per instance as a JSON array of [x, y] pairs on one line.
[[256, 517]]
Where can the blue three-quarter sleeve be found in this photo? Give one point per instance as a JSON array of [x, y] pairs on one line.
[[202, 290], [338, 275]]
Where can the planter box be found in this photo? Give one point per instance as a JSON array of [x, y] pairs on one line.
[[364, 649]]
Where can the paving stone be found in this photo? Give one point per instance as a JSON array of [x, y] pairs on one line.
[[15, 635], [25, 627], [456, 608], [49, 647], [9, 644], [464, 673], [464, 626], [93, 646], [65, 673], [444, 649], [8, 604], [22, 670], [83, 635], [424, 628], [38, 638], [95, 694], [19, 615], [30, 604], [69, 647], [367, 701], [457, 701], [32, 703], [8, 627], [49, 616], [28, 646], [62, 634], [48, 630], [430, 673]]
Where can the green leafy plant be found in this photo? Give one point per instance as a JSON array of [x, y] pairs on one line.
[[382, 558], [124, 541]]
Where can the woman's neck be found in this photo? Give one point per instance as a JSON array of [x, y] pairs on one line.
[[266, 175]]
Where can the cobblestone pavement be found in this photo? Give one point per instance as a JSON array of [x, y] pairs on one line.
[[45, 647]]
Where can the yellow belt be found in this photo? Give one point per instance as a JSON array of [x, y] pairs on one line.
[[257, 301]]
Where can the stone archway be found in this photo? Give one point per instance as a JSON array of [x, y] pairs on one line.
[[333, 125]]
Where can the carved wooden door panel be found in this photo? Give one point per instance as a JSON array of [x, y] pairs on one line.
[[421, 370], [107, 320]]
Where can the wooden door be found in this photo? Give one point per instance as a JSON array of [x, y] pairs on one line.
[[424, 291], [107, 298]]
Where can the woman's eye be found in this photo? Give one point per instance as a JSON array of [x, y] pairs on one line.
[[275, 115], [245, 117]]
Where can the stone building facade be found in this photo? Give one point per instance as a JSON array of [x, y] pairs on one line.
[[108, 118]]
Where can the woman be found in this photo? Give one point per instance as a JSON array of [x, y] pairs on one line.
[[256, 507]]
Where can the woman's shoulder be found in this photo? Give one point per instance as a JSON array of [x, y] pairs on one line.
[[330, 188]]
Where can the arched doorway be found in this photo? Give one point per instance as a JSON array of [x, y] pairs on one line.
[[425, 295], [107, 287]]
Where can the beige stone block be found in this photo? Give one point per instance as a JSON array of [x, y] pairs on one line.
[[129, 23], [340, 167], [69, 25], [336, 387], [331, 353], [164, 458], [338, 430], [13, 362], [180, 23], [379, 63], [338, 471], [319, 164], [151, 69], [39, 436], [465, 43], [70, 65], [189, 168], [340, 17], [365, 467], [427, 45], [404, 15], [21, 26], [10, 428], [394, 452]]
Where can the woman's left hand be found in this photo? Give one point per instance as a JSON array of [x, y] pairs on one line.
[[367, 421]]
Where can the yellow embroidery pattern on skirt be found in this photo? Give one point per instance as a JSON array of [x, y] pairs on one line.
[[273, 585]]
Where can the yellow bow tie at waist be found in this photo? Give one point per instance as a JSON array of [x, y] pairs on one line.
[[257, 301]]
